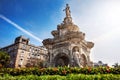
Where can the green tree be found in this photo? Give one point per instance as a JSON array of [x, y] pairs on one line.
[[34, 62], [4, 59], [116, 65]]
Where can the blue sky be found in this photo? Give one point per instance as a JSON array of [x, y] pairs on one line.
[[36, 16], [99, 19]]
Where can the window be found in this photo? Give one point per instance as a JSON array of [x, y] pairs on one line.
[[24, 46], [22, 51], [30, 50], [9, 49], [21, 61]]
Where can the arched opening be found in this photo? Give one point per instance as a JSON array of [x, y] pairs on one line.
[[83, 60], [61, 60], [75, 49]]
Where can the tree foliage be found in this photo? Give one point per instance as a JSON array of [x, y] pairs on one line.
[[4, 59], [116, 65]]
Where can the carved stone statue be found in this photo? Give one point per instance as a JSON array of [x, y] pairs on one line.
[[77, 56], [67, 10]]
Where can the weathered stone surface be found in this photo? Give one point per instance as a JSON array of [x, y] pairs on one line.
[[68, 47]]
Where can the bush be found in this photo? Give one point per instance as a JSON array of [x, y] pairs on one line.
[[58, 77], [59, 71]]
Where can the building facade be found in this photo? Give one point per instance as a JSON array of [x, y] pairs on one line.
[[68, 47], [23, 54]]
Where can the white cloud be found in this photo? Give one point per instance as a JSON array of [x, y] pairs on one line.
[[20, 28], [99, 19]]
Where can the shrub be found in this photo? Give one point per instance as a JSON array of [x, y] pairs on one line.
[[58, 77], [58, 71]]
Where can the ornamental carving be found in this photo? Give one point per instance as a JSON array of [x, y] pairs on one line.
[[61, 45], [62, 48]]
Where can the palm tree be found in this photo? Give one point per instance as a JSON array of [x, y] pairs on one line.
[[4, 59], [116, 65]]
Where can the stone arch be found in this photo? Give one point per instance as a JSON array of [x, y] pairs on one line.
[[83, 60], [49, 56], [75, 48], [63, 50], [61, 59]]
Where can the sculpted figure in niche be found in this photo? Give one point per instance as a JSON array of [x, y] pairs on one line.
[[77, 56]]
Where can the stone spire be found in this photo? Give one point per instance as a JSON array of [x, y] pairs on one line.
[[68, 18]]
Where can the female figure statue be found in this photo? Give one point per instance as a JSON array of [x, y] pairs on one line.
[[77, 56], [67, 10]]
